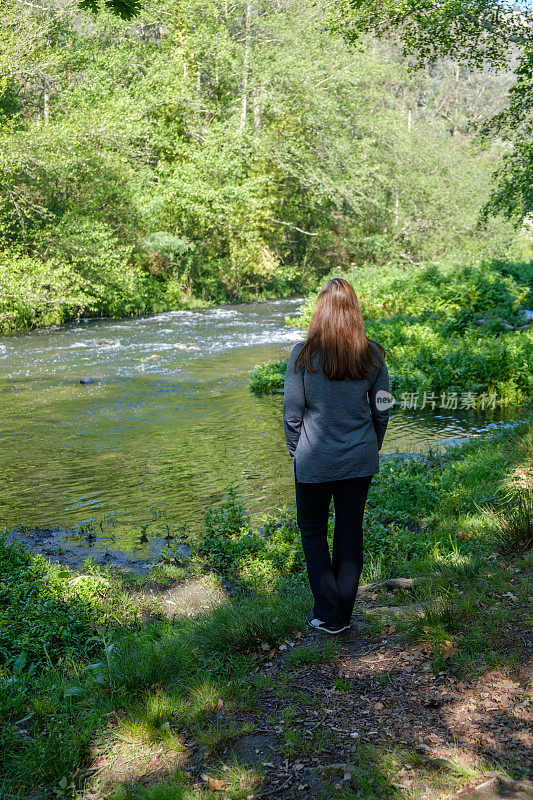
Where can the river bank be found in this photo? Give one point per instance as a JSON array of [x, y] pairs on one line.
[[157, 541], [108, 693], [37, 296], [165, 425], [455, 336]]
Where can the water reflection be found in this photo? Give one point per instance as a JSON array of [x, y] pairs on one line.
[[169, 422]]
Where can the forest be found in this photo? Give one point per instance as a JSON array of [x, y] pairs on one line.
[[189, 156]]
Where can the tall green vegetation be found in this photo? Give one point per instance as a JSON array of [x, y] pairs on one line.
[[202, 152], [447, 330]]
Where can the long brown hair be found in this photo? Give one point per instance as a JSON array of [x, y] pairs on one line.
[[337, 335]]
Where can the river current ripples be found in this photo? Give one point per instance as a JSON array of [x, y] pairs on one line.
[[164, 419]]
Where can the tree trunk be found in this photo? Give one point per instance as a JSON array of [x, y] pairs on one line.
[[244, 100], [46, 100], [396, 195], [456, 102], [256, 108]]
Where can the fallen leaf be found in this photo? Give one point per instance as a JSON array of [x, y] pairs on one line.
[[215, 784], [448, 649]]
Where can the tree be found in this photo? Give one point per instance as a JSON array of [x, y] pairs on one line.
[[191, 154], [477, 33], [127, 9]]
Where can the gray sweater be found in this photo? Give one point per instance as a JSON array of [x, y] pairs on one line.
[[333, 429]]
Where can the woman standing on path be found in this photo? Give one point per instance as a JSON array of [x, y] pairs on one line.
[[335, 414]]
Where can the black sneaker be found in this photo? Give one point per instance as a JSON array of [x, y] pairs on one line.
[[313, 622]]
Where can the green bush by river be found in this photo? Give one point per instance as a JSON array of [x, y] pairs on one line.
[[445, 329]]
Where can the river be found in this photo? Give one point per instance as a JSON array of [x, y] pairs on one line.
[[168, 424]]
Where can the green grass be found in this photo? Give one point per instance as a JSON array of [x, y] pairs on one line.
[[514, 530], [426, 319], [78, 656], [468, 609], [161, 672], [309, 654]]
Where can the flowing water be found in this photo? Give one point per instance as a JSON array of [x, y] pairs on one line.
[[168, 423]]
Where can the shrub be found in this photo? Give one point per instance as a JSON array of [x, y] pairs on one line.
[[231, 547], [268, 378], [42, 621]]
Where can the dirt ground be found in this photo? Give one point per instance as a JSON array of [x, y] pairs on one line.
[[353, 711], [386, 696]]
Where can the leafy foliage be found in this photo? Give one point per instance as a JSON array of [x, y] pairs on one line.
[[513, 193], [232, 548], [127, 9], [44, 622], [428, 321], [482, 33], [268, 378], [475, 32], [188, 156], [43, 612]]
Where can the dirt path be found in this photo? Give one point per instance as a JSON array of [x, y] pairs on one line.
[[320, 724], [353, 717]]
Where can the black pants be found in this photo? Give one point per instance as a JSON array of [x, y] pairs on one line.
[[334, 580]]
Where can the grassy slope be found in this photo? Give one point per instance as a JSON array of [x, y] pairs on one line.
[[86, 667], [426, 319]]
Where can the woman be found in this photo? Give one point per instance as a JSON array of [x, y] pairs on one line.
[[335, 414]]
